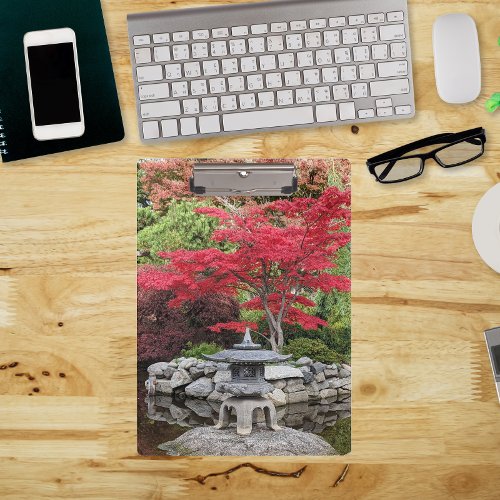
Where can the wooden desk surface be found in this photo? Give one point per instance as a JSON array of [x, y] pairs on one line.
[[426, 420]]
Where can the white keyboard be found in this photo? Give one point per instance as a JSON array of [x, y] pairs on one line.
[[260, 67]]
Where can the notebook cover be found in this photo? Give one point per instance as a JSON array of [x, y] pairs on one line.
[[103, 121], [206, 265]]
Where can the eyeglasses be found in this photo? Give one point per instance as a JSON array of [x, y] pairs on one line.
[[459, 148]]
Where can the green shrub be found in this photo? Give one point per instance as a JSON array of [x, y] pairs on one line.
[[146, 216], [312, 348], [196, 350], [339, 435]]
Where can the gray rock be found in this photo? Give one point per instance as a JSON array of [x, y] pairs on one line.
[[278, 397], [308, 376], [331, 417], [179, 378], [328, 393], [312, 390], [344, 414], [222, 366], [218, 397], [346, 367], [200, 407], [323, 385], [200, 388], [203, 441], [173, 363], [318, 428], [304, 361], [280, 372], [163, 401], [210, 368], [168, 372], [222, 376], [279, 384], [308, 426], [318, 367], [179, 413], [301, 408], [319, 377], [343, 373], [294, 420], [297, 397], [196, 372], [164, 386], [187, 363], [157, 368], [334, 383], [330, 372], [294, 385]]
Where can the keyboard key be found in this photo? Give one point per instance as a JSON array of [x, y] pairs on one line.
[[323, 57], [237, 47], [256, 45], [210, 104], [181, 36], [347, 111], [149, 73], [162, 54], [278, 27], [376, 18], [161, 38], [267, 62], [350, 36], [284, 97], [356, 20], [199, 87], [236, 83], [366, 71], [209, 124], [255, 82], [336, 22], [326, 113], [191, 106], [200, 50], [392, 32], [180, 52], [394, 16], [220, 33], [390, 87], [340, 92], [398, 49], [274, 80], [239, 31], [369, 34], [311, 76], [383, 103], [228, 103], [142, 40], [305, 59], [169, 128], [317, 24], [218, 49], [268, 118], [154, 91], [150, 130], [393, 68], [266, 99], [342, 55], [303, 96], [361, 53], [275, 43], [294, 42], [173, 71], [379, 51], [217, 85], [322, 94], [348, 73], [192, 69], [160, 109], [229, 66], [211, 68], [403, 110], [366, 113], [286, 61], [292, 78], [248, 64], [179, 89], [330, 75], [384, 111], [201, 35], [258, 29], [142, 56], [298, 25], [359, 90], [313, 40], [331, 38], [188, 126]]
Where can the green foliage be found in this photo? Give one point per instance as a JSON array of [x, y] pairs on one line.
[[196, 350], [142, 197], [146, 216], [179, 228], [339, 435], [312, 348]]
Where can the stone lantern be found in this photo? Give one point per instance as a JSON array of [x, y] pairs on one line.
[[248, 385]]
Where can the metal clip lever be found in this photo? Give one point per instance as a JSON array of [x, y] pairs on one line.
[[493, 342]]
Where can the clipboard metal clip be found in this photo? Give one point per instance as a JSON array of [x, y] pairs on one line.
[[244, 179]]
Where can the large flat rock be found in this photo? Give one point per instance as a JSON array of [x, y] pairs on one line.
[[280, 372], [205, 441]]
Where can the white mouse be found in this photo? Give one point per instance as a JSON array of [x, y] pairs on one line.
[[457, 62]]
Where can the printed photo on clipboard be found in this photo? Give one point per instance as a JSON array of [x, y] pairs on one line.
[[244, 307]]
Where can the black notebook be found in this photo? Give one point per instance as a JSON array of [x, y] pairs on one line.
[[99, 105]]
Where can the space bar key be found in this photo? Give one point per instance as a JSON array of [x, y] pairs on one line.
[[267, 119]]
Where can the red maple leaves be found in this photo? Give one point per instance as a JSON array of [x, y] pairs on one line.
[[282, 251]]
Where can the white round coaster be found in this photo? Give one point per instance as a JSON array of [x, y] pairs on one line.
[[486, 228]]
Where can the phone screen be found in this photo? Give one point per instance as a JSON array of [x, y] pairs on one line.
[[54, 84], [496, 358]]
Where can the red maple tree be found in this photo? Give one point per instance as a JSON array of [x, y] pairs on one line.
[[282, 251]]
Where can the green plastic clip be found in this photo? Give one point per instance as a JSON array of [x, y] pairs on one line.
[[493, 102]]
